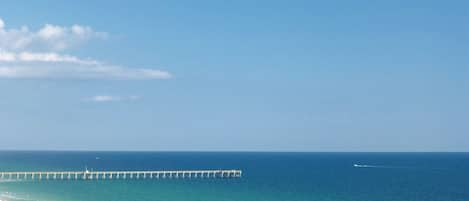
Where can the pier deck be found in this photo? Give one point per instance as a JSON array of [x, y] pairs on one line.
[[104, 175]]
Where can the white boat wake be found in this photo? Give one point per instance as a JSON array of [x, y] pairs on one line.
[[394, 167], [364, 166]]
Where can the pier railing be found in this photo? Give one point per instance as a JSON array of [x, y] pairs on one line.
[[105, 175]]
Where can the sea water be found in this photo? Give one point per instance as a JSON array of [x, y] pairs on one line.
[[266, 176]]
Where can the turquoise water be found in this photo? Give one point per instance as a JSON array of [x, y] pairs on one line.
[[266, 176]]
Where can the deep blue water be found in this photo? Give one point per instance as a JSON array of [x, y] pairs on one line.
[[266, 176]]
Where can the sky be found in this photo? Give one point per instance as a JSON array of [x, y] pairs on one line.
[[234, 75]]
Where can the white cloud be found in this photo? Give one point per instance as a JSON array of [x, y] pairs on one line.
[[42, 57], [7, 56], [2, 24], [57, 66], [18, 58], [48, 38], [108, 98]]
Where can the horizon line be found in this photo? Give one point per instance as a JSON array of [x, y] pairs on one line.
[[219, 151]]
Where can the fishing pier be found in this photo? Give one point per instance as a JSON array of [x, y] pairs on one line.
[[109, 175]]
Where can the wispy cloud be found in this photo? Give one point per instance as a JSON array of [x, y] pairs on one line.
[[42, 57], [48, 38], [108, 98], [29, 54], [53, 65]]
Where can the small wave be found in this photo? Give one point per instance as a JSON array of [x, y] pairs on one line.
[[4, 196], [8, 181]]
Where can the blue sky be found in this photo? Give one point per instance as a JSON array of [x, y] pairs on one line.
[[239, 75]]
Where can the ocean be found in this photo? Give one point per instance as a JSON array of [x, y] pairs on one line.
[[266, 176]]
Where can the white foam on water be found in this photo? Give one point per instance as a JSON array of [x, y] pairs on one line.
[[9, 180], [394, 167], [8, 196], [380, 166], [364, 166]]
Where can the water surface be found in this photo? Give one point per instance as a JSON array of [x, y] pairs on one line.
[[266, 176]]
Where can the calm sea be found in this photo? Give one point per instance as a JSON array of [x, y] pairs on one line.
[[266, 176]]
